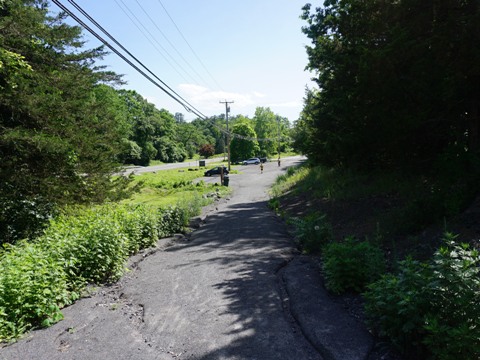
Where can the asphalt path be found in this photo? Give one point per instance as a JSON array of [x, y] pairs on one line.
[[218, 293]]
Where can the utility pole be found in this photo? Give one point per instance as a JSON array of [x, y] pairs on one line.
[[227, 110]]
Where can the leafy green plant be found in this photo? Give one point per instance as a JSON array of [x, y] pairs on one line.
[[139, 224], [93, 245], [453, 324], [312, 232], [431, 309], [274, 204], [351, 265], [33, 288], [171, 220], [396, 303]]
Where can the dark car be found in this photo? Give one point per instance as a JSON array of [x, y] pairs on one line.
[[216, 171]]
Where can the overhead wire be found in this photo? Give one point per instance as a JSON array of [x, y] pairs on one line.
[[135, 22], [178, 98], [166, 38], [188, 44], [175, 96]]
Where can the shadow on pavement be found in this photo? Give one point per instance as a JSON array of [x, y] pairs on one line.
[[249, 243]]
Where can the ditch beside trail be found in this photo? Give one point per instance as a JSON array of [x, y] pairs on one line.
[[235, 288]]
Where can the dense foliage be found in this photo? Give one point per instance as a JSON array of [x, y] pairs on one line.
[[38, 279], [398, 84], [243, 145], [351, 265], [65, 129], [431, 309], [59, 132]]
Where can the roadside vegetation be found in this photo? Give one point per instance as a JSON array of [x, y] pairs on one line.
[[391, 133], [392, 136], [67, 129], [421, 293], [87, 245]]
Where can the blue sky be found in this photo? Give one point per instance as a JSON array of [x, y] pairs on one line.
[[248, 51]]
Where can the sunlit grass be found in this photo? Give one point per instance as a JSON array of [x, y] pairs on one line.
[[170, 187]]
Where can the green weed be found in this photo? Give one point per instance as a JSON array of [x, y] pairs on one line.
[[312, 232], [351, 265], [431, 309]]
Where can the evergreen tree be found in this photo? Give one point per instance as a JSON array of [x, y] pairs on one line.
[[60, 132]]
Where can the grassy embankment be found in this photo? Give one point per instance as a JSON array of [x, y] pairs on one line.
[[385, 237]]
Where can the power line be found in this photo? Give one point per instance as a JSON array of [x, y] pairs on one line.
[[193, 51], [136, 22], [177, 98], [166, 38]]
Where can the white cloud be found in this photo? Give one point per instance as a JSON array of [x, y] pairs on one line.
[[208, 102], [258, 94], [204, 98], [287, 104]]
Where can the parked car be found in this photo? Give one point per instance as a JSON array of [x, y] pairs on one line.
[[255, 161], [263, 159], [216, 171]]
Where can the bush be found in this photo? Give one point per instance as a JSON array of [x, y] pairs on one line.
[[88, 246], [453, 322], [206, 150], [172, 220], [139, 224], [431, 309], [312, 232], [351, 265], [33, 288], [91, 244]]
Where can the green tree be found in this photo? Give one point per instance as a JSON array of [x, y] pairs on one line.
[[188, 135], [211, 128], [244, 143], [399, 81], [267, 129], [59, 140]]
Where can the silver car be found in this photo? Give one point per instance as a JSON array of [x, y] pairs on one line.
[[255, 161]]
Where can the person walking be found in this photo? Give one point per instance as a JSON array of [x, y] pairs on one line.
[[261, 168]]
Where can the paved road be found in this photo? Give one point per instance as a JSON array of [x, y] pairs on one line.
[[152, 168], [218, 294]]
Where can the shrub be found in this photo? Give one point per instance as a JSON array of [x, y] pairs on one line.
[[171, 220], [206, 150], [38, 279], [91, 245], [312, 232], [453, 322], [396, 304], [431, 308], [33, 288], [139, 224], [351, 265]]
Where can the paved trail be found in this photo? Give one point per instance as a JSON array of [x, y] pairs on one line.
[[236, 288], [216, 295]]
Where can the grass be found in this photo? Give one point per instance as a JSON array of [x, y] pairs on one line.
[[397, 206], [169, 187]]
